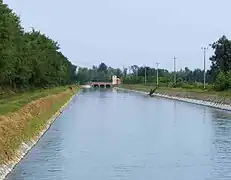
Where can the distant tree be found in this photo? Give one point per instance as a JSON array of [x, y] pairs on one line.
[[125, 71], [102, 67], [135, 69], [118, 72], [221, 60]]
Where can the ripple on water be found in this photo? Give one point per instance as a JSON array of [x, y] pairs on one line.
[[125, 136]]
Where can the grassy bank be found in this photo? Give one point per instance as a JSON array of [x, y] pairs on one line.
[[15, 102], [147, 88], [200, 94], [25, 115]]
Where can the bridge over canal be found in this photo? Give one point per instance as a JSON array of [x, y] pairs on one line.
[[101, 84], [115, 81]]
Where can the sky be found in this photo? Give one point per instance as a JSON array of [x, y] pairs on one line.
[[126, 32]]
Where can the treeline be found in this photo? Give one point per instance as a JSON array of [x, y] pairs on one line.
[[29, 59], [33, 60], [136, 75], [97, 73], [218, 77]]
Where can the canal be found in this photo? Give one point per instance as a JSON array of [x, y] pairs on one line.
[[115, 135]]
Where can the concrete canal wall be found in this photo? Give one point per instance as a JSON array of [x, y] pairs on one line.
[[25, 147], [219, 103]]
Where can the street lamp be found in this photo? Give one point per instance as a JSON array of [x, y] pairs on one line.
[[157, 74], [145, 75], [174, 64], [204, 51]]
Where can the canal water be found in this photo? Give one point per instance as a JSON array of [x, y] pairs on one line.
[[115, 135]]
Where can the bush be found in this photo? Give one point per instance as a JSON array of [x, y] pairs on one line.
[[222, 81]]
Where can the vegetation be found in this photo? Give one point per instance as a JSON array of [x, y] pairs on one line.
[[100, 73], [14, 103], [32, 60], [37, 73], [179, 90], [28, 121], [218, 77], [29, 60]]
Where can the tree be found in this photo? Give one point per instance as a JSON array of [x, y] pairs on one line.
[[30, 59], [118, 72], [10, 41], [102, 67], [221, 60], [135, 69]]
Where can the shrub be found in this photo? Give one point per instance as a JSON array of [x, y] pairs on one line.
[[222, 81]]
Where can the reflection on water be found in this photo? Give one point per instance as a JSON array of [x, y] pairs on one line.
[[113, 135], [204, 114], [175, 111], [221, 144], [220, 114]]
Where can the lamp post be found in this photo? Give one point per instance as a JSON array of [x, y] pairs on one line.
[[174, 64], [204, 51], [145, 75], [157, 74]]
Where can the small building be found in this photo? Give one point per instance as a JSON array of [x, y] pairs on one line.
[[115, 80], [118, 81]]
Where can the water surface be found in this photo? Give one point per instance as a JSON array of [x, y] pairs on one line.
[[115, 135]]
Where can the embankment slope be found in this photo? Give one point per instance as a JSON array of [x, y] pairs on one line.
[[201, 98], [20, 130]]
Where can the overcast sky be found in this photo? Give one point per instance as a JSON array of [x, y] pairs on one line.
[[126, 32]]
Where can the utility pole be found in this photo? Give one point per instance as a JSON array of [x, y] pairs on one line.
[[129, 71], [145, 76], [204, 51], [174, 59], [157, 74]]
